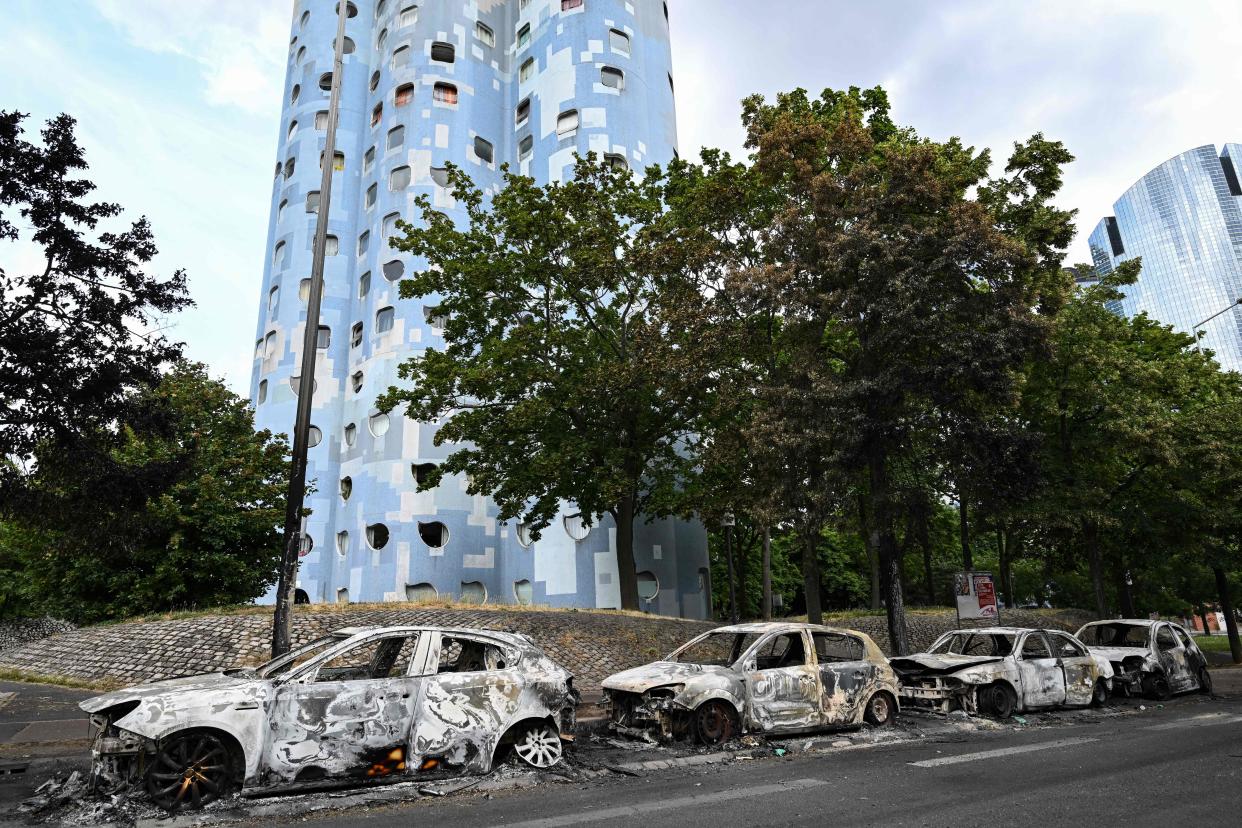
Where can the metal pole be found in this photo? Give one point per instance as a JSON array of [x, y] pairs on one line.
[[282, 619], [729, 559], [1195, 330]]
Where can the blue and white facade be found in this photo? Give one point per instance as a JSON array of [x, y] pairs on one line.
[[1184, 218], [477, 83]]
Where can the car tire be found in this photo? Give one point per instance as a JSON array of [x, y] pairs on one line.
[[1205, 682], [881, 710], [191, 769], [538, 745], [996, 700], [715, 722], [1099, 694], [1156, 686]]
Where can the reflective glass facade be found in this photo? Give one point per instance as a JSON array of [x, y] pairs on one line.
[[1184, 218], [478, 83]]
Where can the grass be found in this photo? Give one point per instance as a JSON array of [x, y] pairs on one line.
[[7, 674], [1213, 643]]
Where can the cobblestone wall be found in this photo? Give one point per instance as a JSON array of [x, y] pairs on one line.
[[590, 644], [21, 631]]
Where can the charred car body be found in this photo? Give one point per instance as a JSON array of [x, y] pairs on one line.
[[1002, 670], [361, 703], [771, 678], [1154, 658]]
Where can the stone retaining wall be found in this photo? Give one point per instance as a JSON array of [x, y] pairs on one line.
[[19, 631], [592, 645]]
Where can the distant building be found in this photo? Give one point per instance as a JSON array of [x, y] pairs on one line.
[[1184, 218], [478, 83]]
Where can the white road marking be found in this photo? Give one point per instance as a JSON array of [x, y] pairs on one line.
[[993, 754], [642, 808], [1197, 721]]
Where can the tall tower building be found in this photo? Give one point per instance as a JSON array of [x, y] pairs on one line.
[[1184, 218], [477, 83]]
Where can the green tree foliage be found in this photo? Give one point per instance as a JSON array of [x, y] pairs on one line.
[[576, 366], [177, 507], [81, 331]]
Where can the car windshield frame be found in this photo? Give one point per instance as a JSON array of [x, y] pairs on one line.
[[939, 648], [1092, 628], [742, 644], [285, 666]]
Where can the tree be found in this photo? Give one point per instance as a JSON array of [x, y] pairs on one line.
[[178, 506], [79, 334], [914, 302], [577, 360]]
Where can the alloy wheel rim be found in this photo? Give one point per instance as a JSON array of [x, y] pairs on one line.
[[189, 773], [539, 747]]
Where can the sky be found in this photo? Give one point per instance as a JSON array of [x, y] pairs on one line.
[[178, 103]]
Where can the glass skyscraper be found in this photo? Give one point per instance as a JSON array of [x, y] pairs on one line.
[[1184, 218], [478, 83]]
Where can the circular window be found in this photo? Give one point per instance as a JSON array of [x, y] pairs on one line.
[[375, 79], [351, 434], [575, 527], [422, 472], [394, 270], [308, 543], [378, 424], [347, 487], [524, 535], [473, 592], [314, 437], [419, 593], [524, 592], [434, 534], [325, 81], [377, 535], [342, 542], [350, 10], [648, 585]]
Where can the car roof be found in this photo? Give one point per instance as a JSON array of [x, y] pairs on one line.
[[1138, 622], [999, 630], [511, 637], [761, 627]]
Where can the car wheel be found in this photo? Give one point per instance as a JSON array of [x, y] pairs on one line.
[[879, 710], [539, 745], [1099, 696], [715, 722], [190, 770], [1205, 681], [997, 700], [1156, 686]]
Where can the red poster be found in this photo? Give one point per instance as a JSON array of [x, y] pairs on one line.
[[985, 591]]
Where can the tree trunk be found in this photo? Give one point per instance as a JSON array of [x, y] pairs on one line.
[[1226, 608], [1203, 618], [873, 555], [728, 533], [1002, 560], [1012, 546], [1126, 594], [890, 565], [1097, 569], [810, 577], [968, 559], [767, 573], [627, 574], [928, 572]]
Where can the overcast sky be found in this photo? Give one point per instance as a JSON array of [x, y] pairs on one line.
[[178, 101]]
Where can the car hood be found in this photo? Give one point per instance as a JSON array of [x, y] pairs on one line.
[[660, 673], [1119, 653], [223, 684], [940, 663]]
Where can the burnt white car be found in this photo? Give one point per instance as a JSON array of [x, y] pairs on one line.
[[1155, 658], [769, 678], [1002, 670], [359, 703]]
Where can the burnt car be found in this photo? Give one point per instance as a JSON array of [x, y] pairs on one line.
[[768, 678], [999, 671], [1154, 658], [360, 703]]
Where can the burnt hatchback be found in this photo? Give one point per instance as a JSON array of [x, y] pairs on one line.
[[359, 703], [1155, 658], [766, 677]]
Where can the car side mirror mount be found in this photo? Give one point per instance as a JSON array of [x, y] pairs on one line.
[[750, 666]]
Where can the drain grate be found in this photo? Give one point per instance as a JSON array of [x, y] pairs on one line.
[[13, 768]]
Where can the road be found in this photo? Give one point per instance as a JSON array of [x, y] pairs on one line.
[[1179, 765]]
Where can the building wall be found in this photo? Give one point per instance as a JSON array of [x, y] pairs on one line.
[[1184, 218], [570, 44]]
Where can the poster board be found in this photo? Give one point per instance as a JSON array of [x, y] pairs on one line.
[[975, 593]]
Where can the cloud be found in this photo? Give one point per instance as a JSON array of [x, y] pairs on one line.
[[238, 44]]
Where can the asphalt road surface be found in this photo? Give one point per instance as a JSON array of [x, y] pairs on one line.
[[1177, 766]]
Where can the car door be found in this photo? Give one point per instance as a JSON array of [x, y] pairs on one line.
[[348, 713], [1078, 666], [1195, 659], [1043, 683], [782, 683], [1173, 659], [844, 675], [470, 694]]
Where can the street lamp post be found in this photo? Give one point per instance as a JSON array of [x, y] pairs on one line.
[[1195, 330], [728, 522], [282, 620]]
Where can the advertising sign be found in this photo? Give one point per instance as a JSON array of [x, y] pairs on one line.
[[976, 596]]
